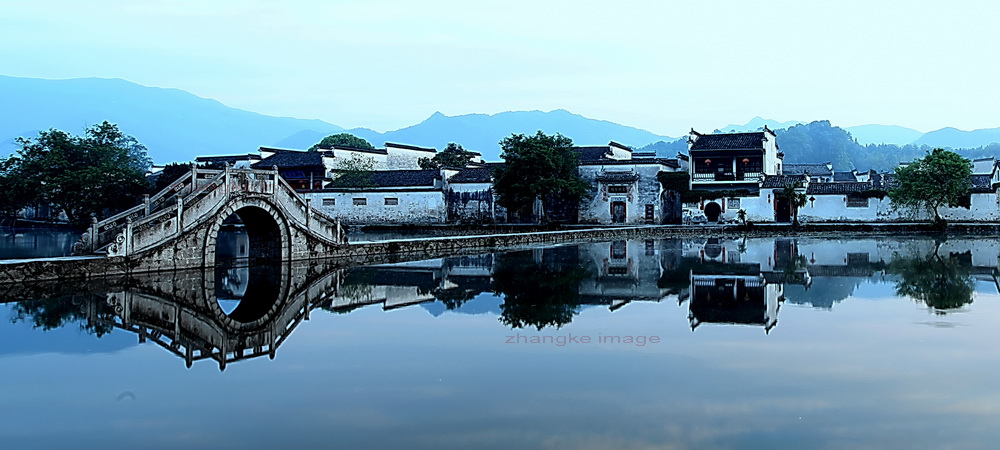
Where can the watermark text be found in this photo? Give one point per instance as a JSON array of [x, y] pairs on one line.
[[562, 340]]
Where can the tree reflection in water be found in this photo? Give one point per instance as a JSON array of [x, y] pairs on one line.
[[57, 312], [539, 287], [941, 283]]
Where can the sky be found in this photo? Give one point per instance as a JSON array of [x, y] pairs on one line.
[[663, 66]]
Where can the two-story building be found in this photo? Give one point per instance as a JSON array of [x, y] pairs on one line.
[[732, 164]]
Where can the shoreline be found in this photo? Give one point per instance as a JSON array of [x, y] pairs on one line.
[[399, 250]]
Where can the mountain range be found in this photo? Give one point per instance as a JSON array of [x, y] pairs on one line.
[[177, 126]]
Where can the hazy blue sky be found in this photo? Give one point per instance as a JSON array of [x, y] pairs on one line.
[[662, 66]]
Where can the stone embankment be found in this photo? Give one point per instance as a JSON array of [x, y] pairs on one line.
[[86, 267]]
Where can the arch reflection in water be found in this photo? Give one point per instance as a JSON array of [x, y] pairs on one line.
[[226, 314]]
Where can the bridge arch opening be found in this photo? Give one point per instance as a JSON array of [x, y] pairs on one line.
[[249, 232], [248, 249]]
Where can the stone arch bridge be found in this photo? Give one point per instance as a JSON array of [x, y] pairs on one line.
[[178, 227]]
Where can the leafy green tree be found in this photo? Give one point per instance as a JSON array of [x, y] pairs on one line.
[[452, 156], [941, 178], [354, 172], [741, 215], [537, 167], [101, 172], [342, 140], [796, 198], [14, 193]]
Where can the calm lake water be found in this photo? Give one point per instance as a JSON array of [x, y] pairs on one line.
[[16, 243], [801, 343]]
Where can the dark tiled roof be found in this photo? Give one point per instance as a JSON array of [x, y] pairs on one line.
[[592, 153], [276, 149], [473, 175], [730, 141], [227, 158], [780, 181], [811, 169], [978, 184], [981, 184], [621, 146], [613, 162], [288, 158], [411, 147], [378, 151], [844, 177], [405, 178], [617, 176], [838, 188]]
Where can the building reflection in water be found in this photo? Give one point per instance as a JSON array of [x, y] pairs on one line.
[[238, 311]]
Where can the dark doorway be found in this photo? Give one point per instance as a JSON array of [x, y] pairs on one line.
[[781, 211], [712, 212], [617, 212]]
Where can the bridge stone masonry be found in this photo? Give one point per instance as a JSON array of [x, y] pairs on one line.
[[178, 227]]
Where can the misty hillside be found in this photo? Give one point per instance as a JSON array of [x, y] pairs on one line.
[[483, 132], [177, 126], [173, 124]]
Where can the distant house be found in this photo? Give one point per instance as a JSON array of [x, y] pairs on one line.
[[817, 173], [386, 197], [301, 169], [237, 161]]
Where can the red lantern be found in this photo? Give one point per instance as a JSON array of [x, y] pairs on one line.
[[746, 160], [708, 161]]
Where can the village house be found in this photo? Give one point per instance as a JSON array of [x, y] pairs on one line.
[[387, 197], [730, 173], [626, 187], [734, 165]]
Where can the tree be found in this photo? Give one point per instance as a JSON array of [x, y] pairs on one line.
[[941, 178], [741, 215], [101, 172], [14, 193], [793, 193], [342, 140], [452, 156], [354, 172], [537, 167]]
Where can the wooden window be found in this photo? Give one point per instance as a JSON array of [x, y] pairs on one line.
[[733, 203], [329, 202], [360, 201], [391, 201], [855, 201], [617, 189]]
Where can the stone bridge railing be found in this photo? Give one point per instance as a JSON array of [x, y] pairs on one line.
[[193, 199]]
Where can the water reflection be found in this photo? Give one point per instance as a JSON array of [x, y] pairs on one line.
[[942, 282], [239, 311], [226, 314], [17, 243]]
